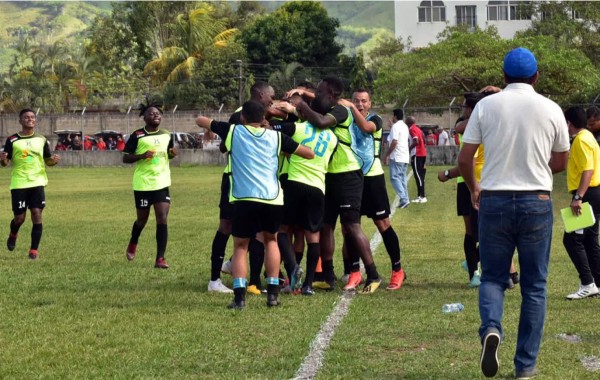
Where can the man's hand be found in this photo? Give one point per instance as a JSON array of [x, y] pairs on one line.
[[576, 207], [493, 89], [475, 196], [172, 152], [345, 103], [3, 158], [442, 176], [286, 107]]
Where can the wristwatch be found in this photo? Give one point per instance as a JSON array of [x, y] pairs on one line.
[[447, 174], [577, 197]]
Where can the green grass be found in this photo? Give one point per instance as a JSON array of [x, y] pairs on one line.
[[83, 311]]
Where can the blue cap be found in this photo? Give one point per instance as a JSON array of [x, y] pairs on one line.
[[520, 63]]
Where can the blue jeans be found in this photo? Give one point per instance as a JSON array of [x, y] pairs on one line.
[[398, 180], [508, 221]]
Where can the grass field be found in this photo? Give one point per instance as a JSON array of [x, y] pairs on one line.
[[82, 311]]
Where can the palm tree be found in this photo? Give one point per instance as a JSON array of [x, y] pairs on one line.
[[194, 32], [284, 78], [52, 54]]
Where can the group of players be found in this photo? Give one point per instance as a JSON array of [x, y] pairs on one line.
[[292, 170], [268, 197]]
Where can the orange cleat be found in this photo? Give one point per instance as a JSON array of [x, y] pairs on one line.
[[353, 281], [398, 278]]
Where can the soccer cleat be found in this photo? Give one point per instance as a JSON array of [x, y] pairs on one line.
[[515, 277], [237, 305], [253, 289], [11, 242], [397, 279], [308, 291], [324, 285], [296, 278], [353, 281], [287, 290], [404, 205], [161, 263], [475, 280], [345, 278], [33, 254], [489, 353], [130, 252], [583, 292], [416, 200], [272, 300], [423, 200], [371, 286], [465, 266], [226, 267], [217, 286]]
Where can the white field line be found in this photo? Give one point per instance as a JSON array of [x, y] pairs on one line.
[[313, 362]]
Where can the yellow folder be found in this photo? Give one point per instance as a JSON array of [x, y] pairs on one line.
[[574, 223]]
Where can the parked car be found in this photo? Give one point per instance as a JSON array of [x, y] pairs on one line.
[[184, 140]]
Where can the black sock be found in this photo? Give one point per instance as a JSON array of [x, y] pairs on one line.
[[14, 229], [217, 256], [299, 256], [471, 254], [162, 234], [347, 264], [312, 258], [239, 294], [272, 289], [257, 258], [287, 253], [135, 233], [327, 266], [392, 245], [36, 235], [353, 256], [371, 270]]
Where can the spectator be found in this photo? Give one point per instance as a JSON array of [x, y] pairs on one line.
[[75, 142], [120, 143], [443, 138], [418, 158], [431, 138], [60, 145], [111, 144], [87, 144], [101, 144]]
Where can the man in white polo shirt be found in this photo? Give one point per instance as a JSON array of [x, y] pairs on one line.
[[526, 141], [398, 157]]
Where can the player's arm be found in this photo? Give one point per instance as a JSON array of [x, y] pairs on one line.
[[219, 127], [466, 166], [290, 146], [315, 118], [171, 150], [362, 123], [558, 161], [49, 158]]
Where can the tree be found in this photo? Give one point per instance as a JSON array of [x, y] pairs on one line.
[[194, 32], [298, 31], [570, 23], [285, 78], [467, 61]]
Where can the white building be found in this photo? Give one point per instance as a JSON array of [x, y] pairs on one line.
[[422, 21]]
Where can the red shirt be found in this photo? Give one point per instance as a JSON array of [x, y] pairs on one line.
[[120, 145], [101, 145], [87, 145], [416, 132]]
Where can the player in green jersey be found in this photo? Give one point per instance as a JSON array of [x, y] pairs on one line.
[[29, 153], [150, 148]]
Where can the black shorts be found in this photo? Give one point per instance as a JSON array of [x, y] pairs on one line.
[[250, 217], [23, 199], [463, 199], [304, 206], [343, 196], [225, 208], [375, 202], [145, 199]]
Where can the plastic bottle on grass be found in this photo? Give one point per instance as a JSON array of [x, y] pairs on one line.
[[452, 308]]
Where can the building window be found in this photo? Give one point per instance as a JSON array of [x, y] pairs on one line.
[[508, 10], [466, 15], [432, 11]]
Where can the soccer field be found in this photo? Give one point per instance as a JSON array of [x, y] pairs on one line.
[[83, 311]]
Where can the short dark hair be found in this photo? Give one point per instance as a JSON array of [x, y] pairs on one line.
[[529, 80], [593, 111], [258, 87], [362, 89], [253, 111], [472, 98], [24, 111], [398, 114], [576, 116], [307, 85], [335, 85]]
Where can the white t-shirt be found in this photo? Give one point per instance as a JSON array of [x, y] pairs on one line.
[[399, 133], [443, 138], [519, 129]]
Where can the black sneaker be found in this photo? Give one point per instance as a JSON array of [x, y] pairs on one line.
[[515, 277], [489, 353], [526, 374], [308, 291], [11, 242], [272, 300], [237, 305]]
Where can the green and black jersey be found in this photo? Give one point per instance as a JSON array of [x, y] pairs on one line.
[[151, 173], [27, 154]]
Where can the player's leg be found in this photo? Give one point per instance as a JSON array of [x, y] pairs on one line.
[[19, 208], [36, 199], [142, 208], [161, 210], [219, 244]]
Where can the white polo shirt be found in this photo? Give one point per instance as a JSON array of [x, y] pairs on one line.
[[399, 132], [519, 128]]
